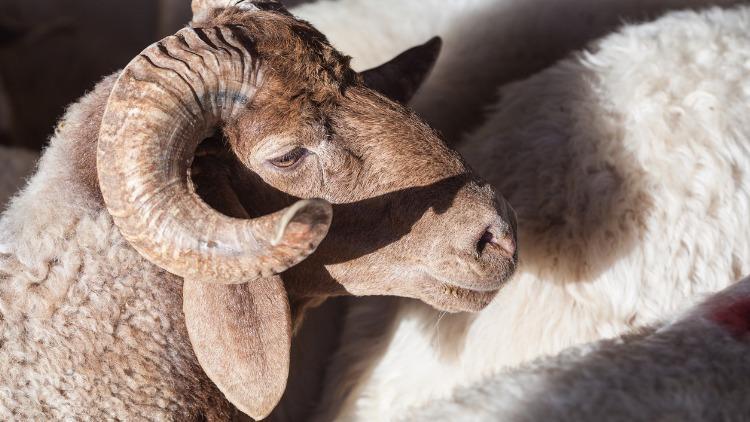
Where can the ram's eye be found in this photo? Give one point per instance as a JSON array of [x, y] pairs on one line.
[[289, 159]]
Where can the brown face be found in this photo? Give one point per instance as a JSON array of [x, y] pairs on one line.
[[409, 217]]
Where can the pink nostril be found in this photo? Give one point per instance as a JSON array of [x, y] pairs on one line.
[[505, 243]]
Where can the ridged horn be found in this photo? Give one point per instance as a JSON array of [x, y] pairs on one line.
[[168, 99]]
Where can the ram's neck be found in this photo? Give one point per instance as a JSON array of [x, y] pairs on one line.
[[76, 138]]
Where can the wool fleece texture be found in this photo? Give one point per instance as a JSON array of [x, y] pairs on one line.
[[80, 312], [693, 369], [627, 166], [486, 42]]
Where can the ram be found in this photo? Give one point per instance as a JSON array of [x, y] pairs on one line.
[[627, 165], [192, 206]]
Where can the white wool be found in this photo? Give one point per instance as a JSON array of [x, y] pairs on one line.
[[88, 328], [694, 369], [627, 164], [486, 42]]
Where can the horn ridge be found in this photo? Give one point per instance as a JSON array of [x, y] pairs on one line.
[[163, 104]]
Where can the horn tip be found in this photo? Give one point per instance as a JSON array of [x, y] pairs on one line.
[[314, 215]]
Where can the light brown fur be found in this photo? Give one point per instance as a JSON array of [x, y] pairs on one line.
[[88, 328]]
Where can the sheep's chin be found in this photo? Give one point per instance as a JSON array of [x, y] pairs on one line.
[[451, 298]]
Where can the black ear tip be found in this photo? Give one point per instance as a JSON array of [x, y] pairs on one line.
[[435, 44], [400, 78]]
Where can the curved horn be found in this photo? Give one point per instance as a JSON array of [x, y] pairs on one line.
[[169, 98]]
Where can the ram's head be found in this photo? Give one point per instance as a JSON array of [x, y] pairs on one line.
[[350, 191]]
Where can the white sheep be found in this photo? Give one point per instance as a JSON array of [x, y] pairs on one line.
[[145, 276], [694, 369], [487, 42], [627, 165]]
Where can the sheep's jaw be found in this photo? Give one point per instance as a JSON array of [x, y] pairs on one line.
[[449, 297]]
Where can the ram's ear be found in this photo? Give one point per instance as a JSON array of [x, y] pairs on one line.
[[241, 335], [400, 78]]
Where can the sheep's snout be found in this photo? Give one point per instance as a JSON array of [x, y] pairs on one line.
[[485, 252], [479, 253]]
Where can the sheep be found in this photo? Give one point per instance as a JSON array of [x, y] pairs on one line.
[[15, 165], [693, 369], [487, 42], [193, 205], [626, 164]]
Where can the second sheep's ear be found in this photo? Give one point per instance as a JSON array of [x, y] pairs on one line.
[[241, 335], [400, 78]]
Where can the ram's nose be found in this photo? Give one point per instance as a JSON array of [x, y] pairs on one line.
[[497, 238], [481, 251]]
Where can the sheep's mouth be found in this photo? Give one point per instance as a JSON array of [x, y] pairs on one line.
[[452, 298], [472, 300], [466, 293]]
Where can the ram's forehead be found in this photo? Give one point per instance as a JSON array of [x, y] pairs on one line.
[[293, 48]]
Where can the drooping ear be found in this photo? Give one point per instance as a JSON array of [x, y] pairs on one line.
[[241, 335], [400, 78]]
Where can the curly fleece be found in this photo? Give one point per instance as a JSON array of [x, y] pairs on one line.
[[694, 369], [88, 329], [627, 165]]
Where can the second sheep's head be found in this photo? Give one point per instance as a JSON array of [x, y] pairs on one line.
[[327, 182]]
